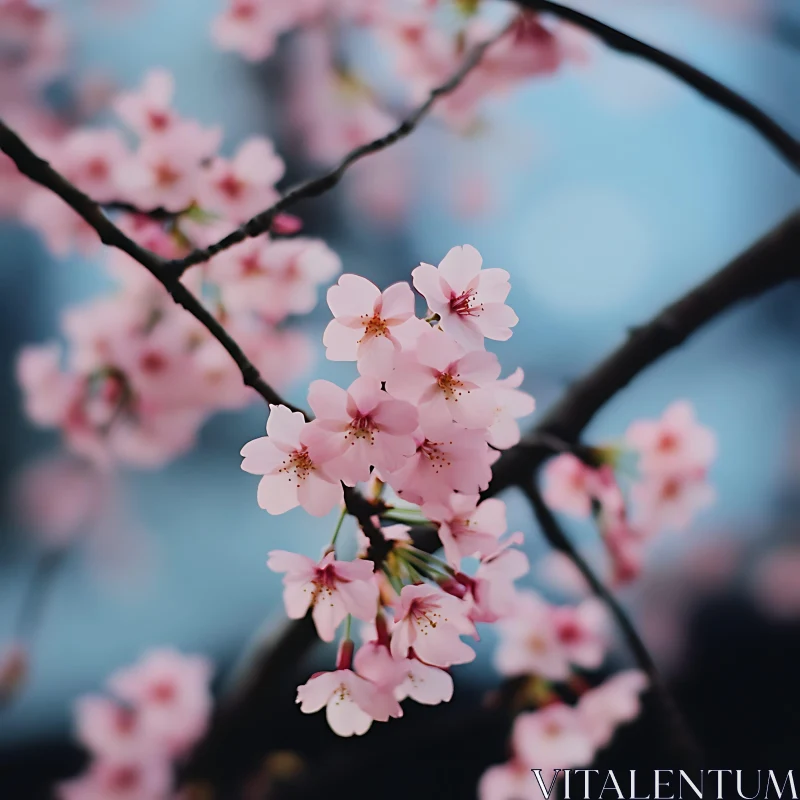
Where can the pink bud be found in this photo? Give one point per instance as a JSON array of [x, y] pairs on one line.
[[286, 224]]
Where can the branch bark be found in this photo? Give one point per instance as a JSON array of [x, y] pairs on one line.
[[785, 144]]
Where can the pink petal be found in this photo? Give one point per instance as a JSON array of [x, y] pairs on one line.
[[284, 426], [397, 303], [460, 266], [341, 342], [317, 496], [428, 283], [396, 417], [328, 401], [352, 297], [286, 561], [314, 694], [277, 494]]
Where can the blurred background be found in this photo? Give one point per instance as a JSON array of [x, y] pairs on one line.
[[606, 190]]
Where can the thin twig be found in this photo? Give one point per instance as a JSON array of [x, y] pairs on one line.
[[313, 188], [684, 743], [786, 144]]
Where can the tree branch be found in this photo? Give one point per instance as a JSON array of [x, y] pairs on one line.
[[786, 144], [313, 188]]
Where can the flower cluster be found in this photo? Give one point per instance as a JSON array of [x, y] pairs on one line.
[[671, 486], [334, 105], [158, 709], [425, 420], [560, 736], [141, 376]]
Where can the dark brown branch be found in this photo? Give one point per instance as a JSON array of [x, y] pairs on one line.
[[786, 144], [684, 744], [262, 222]]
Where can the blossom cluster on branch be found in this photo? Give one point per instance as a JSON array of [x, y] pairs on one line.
[[157, 711], [141, 376]]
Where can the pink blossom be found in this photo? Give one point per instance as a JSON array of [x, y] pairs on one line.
[[351, 702], [424, 684], [469, 301], [446, 382], [369, 326], [127, 779], [63, 230], [114, 731], [569, 485], [554, 737], [447, 459], [614, 702], [291, 476], [171, 693], [536, 638], [510, 404], [430, 622], [492, 588], [251, 27], [166, 170], [148, 111], [242, 187], [673, 444], [406, 677], [89, 159], [274, 278], [333, 589], [467, 528], [670, 501], [364, 426]]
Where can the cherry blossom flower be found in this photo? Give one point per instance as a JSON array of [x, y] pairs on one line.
[[109, 729], [291, 476], [424, 684], [89, 159], [445, 381], [430, 622], [554, 737], [352, 702], [614, 702], [369, 326], [273, 278], [670, 501], [467, 528], [448, 459], [510, 404], [673, 444], [166, 170], [470, 301], [536, 638], [148, 111], [127, 779], [364, 426], [492, 588], [568, 485], [242, 187], [333, 589], [171, 693]]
